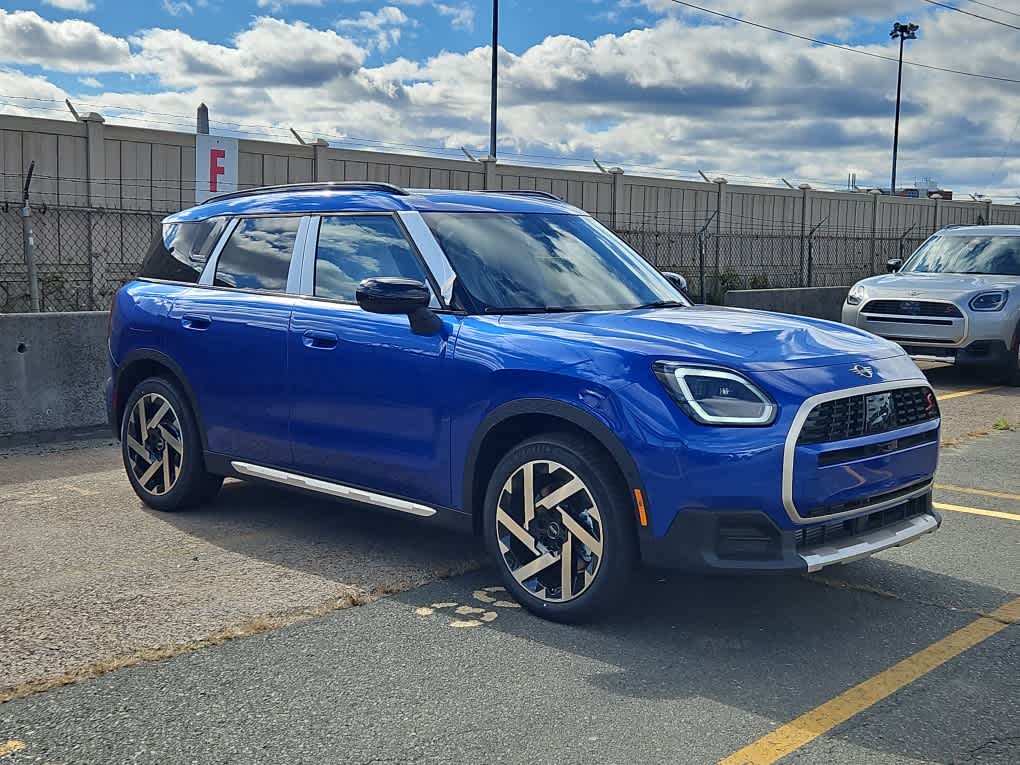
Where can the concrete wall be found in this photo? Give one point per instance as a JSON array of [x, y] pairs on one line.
[[53, 370], [819, 302]]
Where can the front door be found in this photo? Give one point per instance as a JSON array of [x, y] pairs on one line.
[[369, 397]]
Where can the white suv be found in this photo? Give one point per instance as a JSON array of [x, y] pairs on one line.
[[956, 299]]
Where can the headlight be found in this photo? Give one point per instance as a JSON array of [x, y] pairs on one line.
[[989, 301], [716, 396], [856, 295]]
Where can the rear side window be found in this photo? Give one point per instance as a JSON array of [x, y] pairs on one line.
[[180, 251], [356, 247], [257, 255]]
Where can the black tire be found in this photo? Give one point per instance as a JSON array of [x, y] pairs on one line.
[[1011, 369], [603, 491], [190, 483]]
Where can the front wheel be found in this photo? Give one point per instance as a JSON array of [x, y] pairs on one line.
[[558, 524]]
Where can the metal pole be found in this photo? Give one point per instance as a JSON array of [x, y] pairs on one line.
[[29, 244], [495, 61], [896, 127]]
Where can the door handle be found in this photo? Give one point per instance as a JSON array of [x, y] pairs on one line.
[[192, 321], [325, 341]]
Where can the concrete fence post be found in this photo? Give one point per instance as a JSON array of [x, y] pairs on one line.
[[876, 195], [719, 201], [617, 211], [320, 160], [491, 181], [95, 166]]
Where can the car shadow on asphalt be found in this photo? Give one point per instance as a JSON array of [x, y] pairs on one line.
[[774, 647]]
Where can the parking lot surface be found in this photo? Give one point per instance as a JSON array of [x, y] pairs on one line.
[[907, 657]]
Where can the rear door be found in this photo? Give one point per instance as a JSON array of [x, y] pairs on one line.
[[230, 338], [369, 396]]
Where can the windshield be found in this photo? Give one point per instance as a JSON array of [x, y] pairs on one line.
[[532, 262], [967, 255]]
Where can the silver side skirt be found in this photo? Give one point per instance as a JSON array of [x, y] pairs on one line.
[[870, 542], [333, 489]]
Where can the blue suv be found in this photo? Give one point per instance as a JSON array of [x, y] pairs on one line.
[[504, 363]]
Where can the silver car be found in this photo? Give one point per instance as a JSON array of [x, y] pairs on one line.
[[956, 299]]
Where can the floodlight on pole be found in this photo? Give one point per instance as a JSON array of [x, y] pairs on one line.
[[902, 32]]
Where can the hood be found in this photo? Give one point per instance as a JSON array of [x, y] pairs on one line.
[[943, 286], [733, 337]]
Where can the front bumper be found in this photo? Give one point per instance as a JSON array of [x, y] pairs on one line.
[[750, 542]]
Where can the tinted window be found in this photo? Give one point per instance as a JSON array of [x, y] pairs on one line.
[[257, 255], [968, 255], [180, 251], [356, 247], [538, 261]]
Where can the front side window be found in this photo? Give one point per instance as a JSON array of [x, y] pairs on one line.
[[967, 255], [356, 247], [257, 255], [534, 262], [179, 252]]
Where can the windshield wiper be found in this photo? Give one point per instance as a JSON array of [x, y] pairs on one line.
[[664, 304]]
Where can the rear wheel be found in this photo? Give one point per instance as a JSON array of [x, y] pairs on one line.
[[162, 449], [558, 526]]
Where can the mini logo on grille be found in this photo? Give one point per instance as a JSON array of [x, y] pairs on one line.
[[863, 371], [915, 293]]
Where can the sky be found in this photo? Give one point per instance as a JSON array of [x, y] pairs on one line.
[[651, 86]]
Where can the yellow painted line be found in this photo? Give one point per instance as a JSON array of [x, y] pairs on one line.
[[821, 719], [979, 492], [12, 746], [976, 511], [961, 393]]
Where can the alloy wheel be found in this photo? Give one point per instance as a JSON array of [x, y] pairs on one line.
[[155, 446], [549, 531]]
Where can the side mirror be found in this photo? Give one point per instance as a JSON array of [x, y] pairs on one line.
[[393, 295], [677, 281], [893, 264]]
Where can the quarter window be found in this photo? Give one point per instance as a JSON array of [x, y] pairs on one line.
[[179, 252], [356, 247], [257, 255]]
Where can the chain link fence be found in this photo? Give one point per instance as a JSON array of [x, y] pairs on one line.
[[81, 255]]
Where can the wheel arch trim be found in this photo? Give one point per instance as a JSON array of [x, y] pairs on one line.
[[158, 357], [576, 416]]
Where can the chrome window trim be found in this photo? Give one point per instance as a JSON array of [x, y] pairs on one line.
[[334, 489], [433, 255], [209, 272], [790, 449], [868, 543]]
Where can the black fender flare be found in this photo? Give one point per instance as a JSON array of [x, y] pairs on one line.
[[158, 357], [554, 408]]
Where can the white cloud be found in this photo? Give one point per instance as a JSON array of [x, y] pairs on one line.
[[745, 103], [382, 26], [461, 16], [90, 82], [82, 6], [178, 7]]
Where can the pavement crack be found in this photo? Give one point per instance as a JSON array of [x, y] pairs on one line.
[[842, 584]]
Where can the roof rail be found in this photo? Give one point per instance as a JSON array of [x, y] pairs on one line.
[[522, 193], [322, 186]]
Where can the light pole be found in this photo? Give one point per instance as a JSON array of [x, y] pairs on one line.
[[492, 96], [903, 32]]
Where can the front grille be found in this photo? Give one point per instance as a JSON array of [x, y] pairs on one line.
[[868, 414], [812, 536], [866, 501], [911, 308]]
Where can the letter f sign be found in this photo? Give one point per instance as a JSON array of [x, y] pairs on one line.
[[215, 168]]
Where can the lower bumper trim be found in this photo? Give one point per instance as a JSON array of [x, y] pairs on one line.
[[868, 543]]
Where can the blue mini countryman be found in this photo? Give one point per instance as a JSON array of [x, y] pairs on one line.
[[503, 362]]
